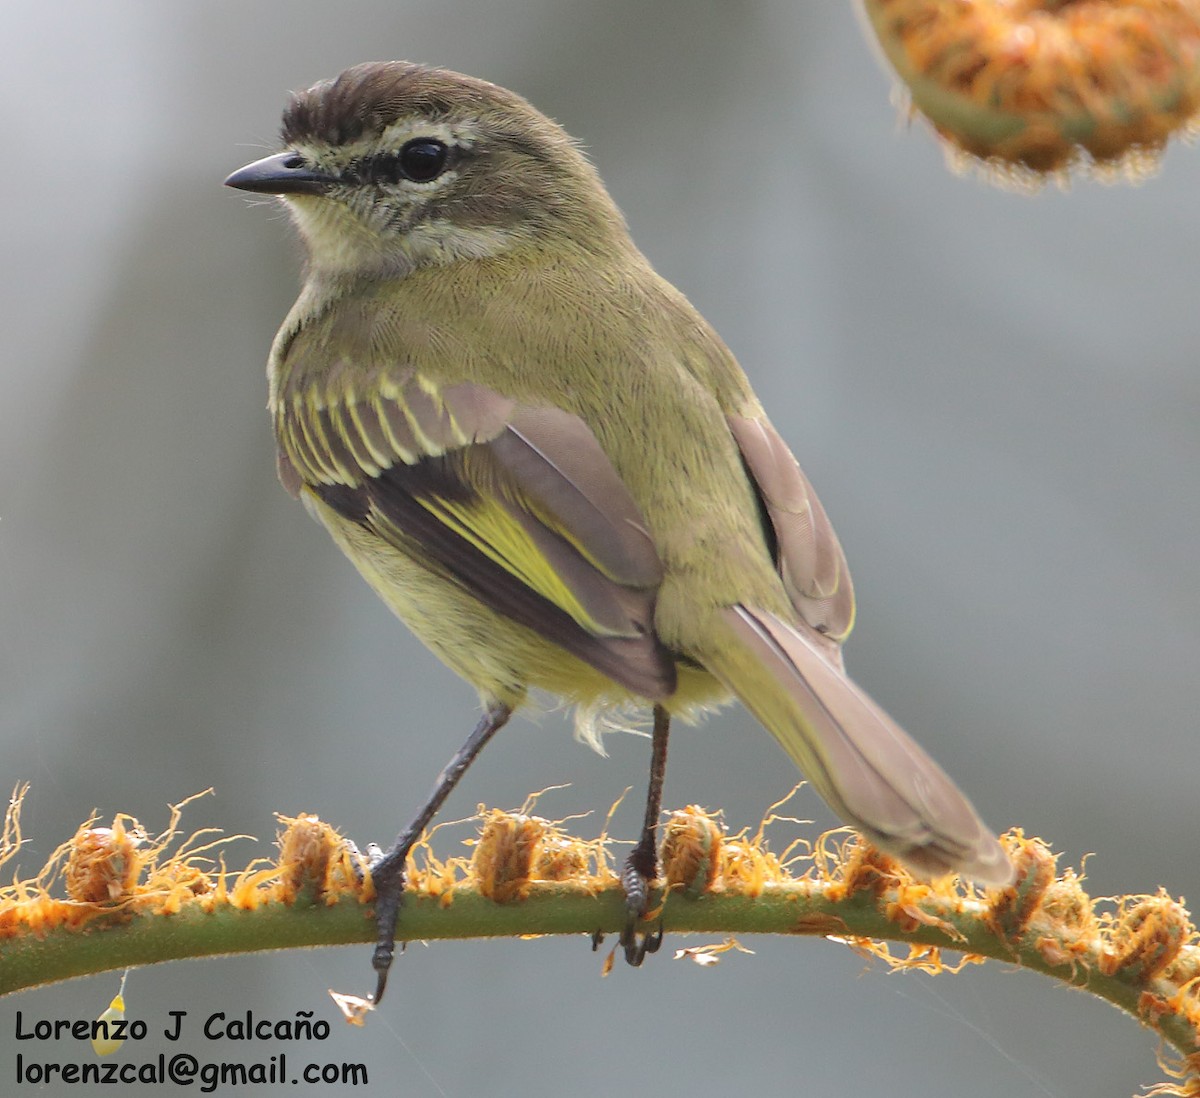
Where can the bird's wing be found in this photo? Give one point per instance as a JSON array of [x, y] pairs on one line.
[[806, 550], [517, 504]]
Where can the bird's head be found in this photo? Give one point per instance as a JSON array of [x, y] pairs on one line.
[[393, 166]]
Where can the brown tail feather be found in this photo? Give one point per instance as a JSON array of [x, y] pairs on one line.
[[870, 771]]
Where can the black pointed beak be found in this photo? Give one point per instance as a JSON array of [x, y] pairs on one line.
[[283, 173]]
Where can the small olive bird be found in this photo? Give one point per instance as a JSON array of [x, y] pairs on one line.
[[545, 461]]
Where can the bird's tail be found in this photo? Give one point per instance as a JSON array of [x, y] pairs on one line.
[[871, 772]]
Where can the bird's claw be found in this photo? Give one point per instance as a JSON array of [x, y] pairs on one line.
[[640, 870], [387, 873], [637, 944]]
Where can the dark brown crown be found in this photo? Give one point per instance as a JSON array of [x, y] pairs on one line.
[[367, 98]]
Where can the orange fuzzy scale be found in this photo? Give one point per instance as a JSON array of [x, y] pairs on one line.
[[315, 860], [504, 855], [1015, 906], [103, 864], [560, 858], [691, 850], [1044, 86], [1147, 937]]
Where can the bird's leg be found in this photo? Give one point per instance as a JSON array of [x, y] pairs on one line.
[[641, 867], [387, 870]]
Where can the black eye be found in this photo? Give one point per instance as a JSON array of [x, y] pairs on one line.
[[422, 159]]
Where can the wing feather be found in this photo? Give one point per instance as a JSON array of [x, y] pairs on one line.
[[519, 505], [808, 554]]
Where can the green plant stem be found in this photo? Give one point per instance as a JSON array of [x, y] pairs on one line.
[[800, 908]]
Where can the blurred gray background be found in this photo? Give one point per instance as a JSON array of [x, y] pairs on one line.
[[996, 396]]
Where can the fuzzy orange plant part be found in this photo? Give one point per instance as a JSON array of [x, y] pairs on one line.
[[1039, 88]]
